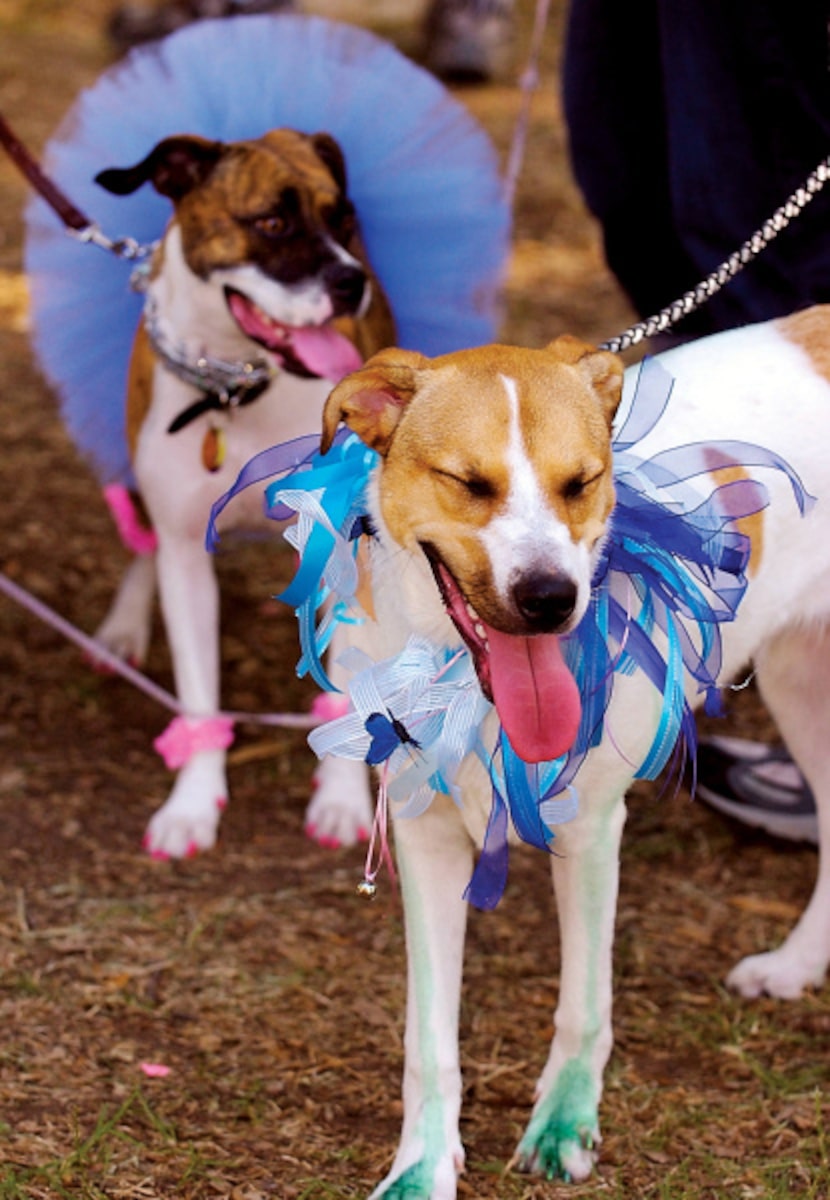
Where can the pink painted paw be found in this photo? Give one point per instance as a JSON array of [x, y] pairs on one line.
[[322, 839], [340, 810]]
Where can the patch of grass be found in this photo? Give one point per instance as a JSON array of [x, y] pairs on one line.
[[200, 1166], [23, 985], [789, 1079], [74, 1174], [320, 1190], [704, 1175]]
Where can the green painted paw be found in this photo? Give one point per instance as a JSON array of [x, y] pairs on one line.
[[563, 1135], [414, 1184]]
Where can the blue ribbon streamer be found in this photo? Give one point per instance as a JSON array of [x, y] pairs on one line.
[[276, 460]]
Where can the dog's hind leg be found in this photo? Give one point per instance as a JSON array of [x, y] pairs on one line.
[[435, 858], [793, 671], [125, 631], [563, 1133]]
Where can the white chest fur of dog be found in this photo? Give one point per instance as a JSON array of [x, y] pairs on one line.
[[261, 270], [490, 501]]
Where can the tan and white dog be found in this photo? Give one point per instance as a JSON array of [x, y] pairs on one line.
[[491, 500], [260, 295]]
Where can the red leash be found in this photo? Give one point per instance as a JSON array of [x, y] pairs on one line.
[[76, 222], [54, 197]]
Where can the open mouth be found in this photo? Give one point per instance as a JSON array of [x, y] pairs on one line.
[[309, 351], [525, 677]]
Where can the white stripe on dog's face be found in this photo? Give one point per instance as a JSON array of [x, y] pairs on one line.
[[527, 536]]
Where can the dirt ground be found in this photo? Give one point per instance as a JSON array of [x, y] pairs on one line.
[[273, 992]]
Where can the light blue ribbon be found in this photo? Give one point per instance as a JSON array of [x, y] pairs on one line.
[[327, 495], [434, 693]]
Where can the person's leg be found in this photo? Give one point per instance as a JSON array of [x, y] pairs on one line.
[[616, 120], [747, 118], [689, 125], [470, 41], [137, 21]]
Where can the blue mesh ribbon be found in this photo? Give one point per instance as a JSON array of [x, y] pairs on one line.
[[325, 493], [328, 499], [276, 460]]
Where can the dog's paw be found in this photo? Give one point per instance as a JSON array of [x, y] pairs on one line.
[[559, 1152], [782, 973], [562, 1138], [176, 833], [423, 1180], [126, 641], [340, 811], [189, 820]]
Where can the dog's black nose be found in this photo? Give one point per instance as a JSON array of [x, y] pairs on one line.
[[345, 284], [545, 600]]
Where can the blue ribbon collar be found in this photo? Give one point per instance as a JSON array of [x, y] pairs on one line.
[[673, 561]]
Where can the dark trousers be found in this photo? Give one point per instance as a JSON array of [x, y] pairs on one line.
[[690, 122]]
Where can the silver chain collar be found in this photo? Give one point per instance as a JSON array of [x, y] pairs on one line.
[[229, 381]]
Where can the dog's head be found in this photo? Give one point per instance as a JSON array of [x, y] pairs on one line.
[[268, 222], [497, 467]]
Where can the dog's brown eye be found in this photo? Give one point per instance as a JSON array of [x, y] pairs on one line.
[[577, 486], [474, 485], [342, 222], [270, 226], [482, 489]]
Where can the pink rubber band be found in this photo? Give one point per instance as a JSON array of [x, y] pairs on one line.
[[186, 736], [154, 1070], [133, 534], [328, 706]]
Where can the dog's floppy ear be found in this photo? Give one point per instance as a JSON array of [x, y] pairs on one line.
[[601, 370], [371, 400], [329, 153], [174, 167]]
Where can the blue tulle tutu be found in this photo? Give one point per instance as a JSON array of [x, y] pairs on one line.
[[422, 175]]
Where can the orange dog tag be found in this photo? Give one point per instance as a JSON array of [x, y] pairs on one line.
[[213, 449]]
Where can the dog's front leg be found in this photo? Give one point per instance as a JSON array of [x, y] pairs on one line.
[[188, 589], [435, 858], [563, 1133]]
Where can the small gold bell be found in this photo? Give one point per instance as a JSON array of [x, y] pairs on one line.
[[367, 888]]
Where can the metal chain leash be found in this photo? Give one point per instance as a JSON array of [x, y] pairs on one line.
[[727, 270]]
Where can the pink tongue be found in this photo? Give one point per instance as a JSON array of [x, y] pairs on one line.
[[325, 352], [249, 319], [321, 348], [535, 694]]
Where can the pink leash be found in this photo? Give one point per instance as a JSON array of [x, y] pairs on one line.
[[98, 652]]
